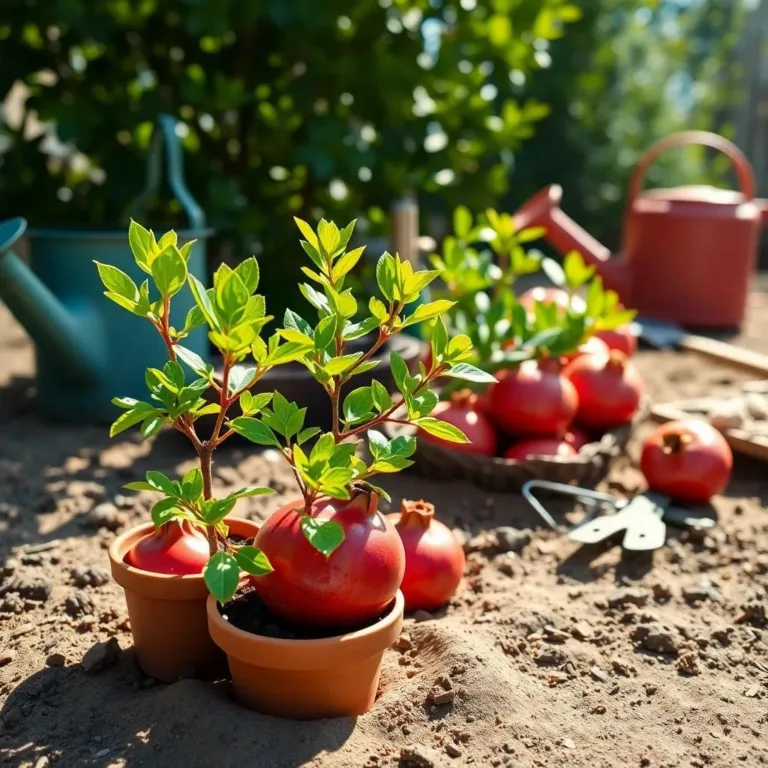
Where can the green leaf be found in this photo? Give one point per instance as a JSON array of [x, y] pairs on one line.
[[386, 276], [467, 372], [346, 234], [117, 282], [368, 365], [296, 322], [254, 430], [439, 341], [325, 536], [307, 434], [217, 509], [324, 333], [186, 249], [378, 444], [203, 301], [358, 330], [554, 272], [169, 271], [289, 334], [194, 361], [308, 232], [251, 490], [127, 402], [253, 561], [241, 376], [140, 240], [151, 426], [442, 429], [160, 482], [399, 371], [337, 365], [130, 418], [288, 352], [531, 233], [427, 311], [378, 310], [248, 272], [577, 273], [175, 373], [328, 234], [169, 238], [131, 306], [462, 222], [139, 485], [222, 575], [192, 484], [346, 263], [381, 398], [358, 405], [231, 298], [165, 510], [313, 254]]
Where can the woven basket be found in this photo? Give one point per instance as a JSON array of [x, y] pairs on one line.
[[586, 469]]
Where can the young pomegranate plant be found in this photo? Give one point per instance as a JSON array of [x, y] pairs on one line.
[[333, 479]]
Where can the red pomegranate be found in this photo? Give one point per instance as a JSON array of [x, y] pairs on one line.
[[534, 400], [539, 446], [462, 411], [550, 296], [353, 585], [592, 346], [177, 548], [688, 460], [609, 389], [621, 339], [434, 559]]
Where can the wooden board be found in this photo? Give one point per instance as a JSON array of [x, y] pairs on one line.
[[740, 441]]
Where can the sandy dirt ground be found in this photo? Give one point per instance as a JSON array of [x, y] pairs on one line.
[[557, 654]]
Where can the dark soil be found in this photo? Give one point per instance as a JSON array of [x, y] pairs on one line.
[[248, 613]]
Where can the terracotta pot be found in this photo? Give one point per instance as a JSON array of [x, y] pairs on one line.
[[307, 679], [167, 613]]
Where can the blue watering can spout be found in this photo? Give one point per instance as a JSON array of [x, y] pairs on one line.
[[54, 330]]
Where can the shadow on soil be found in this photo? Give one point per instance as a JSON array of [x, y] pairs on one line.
[[102, 720]]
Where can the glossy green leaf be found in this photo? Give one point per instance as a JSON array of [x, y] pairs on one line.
[[253, 561], [139, 240], [346, 263], [325, 536], [442, 429], [163, 511], [248, 271], [169, 271], [192, 484], [427, 311], [222, 575], [240, 377], [251, 490], [203, 301], [338, 365], [117, 282], [254, 430], [467, 372]]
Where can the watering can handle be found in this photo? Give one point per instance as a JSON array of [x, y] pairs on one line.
[[165, 133], [740, 163]]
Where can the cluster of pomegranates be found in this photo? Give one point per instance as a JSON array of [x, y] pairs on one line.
[[550, 406]]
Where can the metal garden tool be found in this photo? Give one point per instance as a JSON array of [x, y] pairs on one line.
[[663, 335], [87, 347], [643, 518]]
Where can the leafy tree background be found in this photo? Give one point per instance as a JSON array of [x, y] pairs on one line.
[[337, 107]]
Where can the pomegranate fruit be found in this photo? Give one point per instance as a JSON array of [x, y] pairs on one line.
[[609, 389], [621, 339], [463, 411], [352, 586], [592, 346], [550, 296], [539, 446], [177, 548], [534, 400], [578, 438], [688, 460], [434, 559]]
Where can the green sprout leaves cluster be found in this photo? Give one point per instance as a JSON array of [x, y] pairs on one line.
[[324, 464], [480, 264]]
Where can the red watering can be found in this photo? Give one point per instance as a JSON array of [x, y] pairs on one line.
[[687, 253]]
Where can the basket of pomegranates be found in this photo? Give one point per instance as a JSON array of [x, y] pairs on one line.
[[566, 396]]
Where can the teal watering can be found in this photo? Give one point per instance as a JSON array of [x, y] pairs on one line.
[[88, 349]]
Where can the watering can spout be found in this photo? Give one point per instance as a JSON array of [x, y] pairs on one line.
[[54, 330], [564, 234]]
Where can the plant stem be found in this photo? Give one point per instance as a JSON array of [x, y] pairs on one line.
[[205, 455]]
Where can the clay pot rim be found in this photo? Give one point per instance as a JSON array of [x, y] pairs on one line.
[[277, 653], [163, 586]]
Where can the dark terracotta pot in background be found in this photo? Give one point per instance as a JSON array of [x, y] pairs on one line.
[[307, 679], [167, 613]]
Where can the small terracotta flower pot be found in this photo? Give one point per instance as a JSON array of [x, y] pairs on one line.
[[167, 613], [307, 679]]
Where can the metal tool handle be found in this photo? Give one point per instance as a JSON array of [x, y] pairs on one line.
[[728, 354], [584, 495], [165, 136], [740, 163]]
